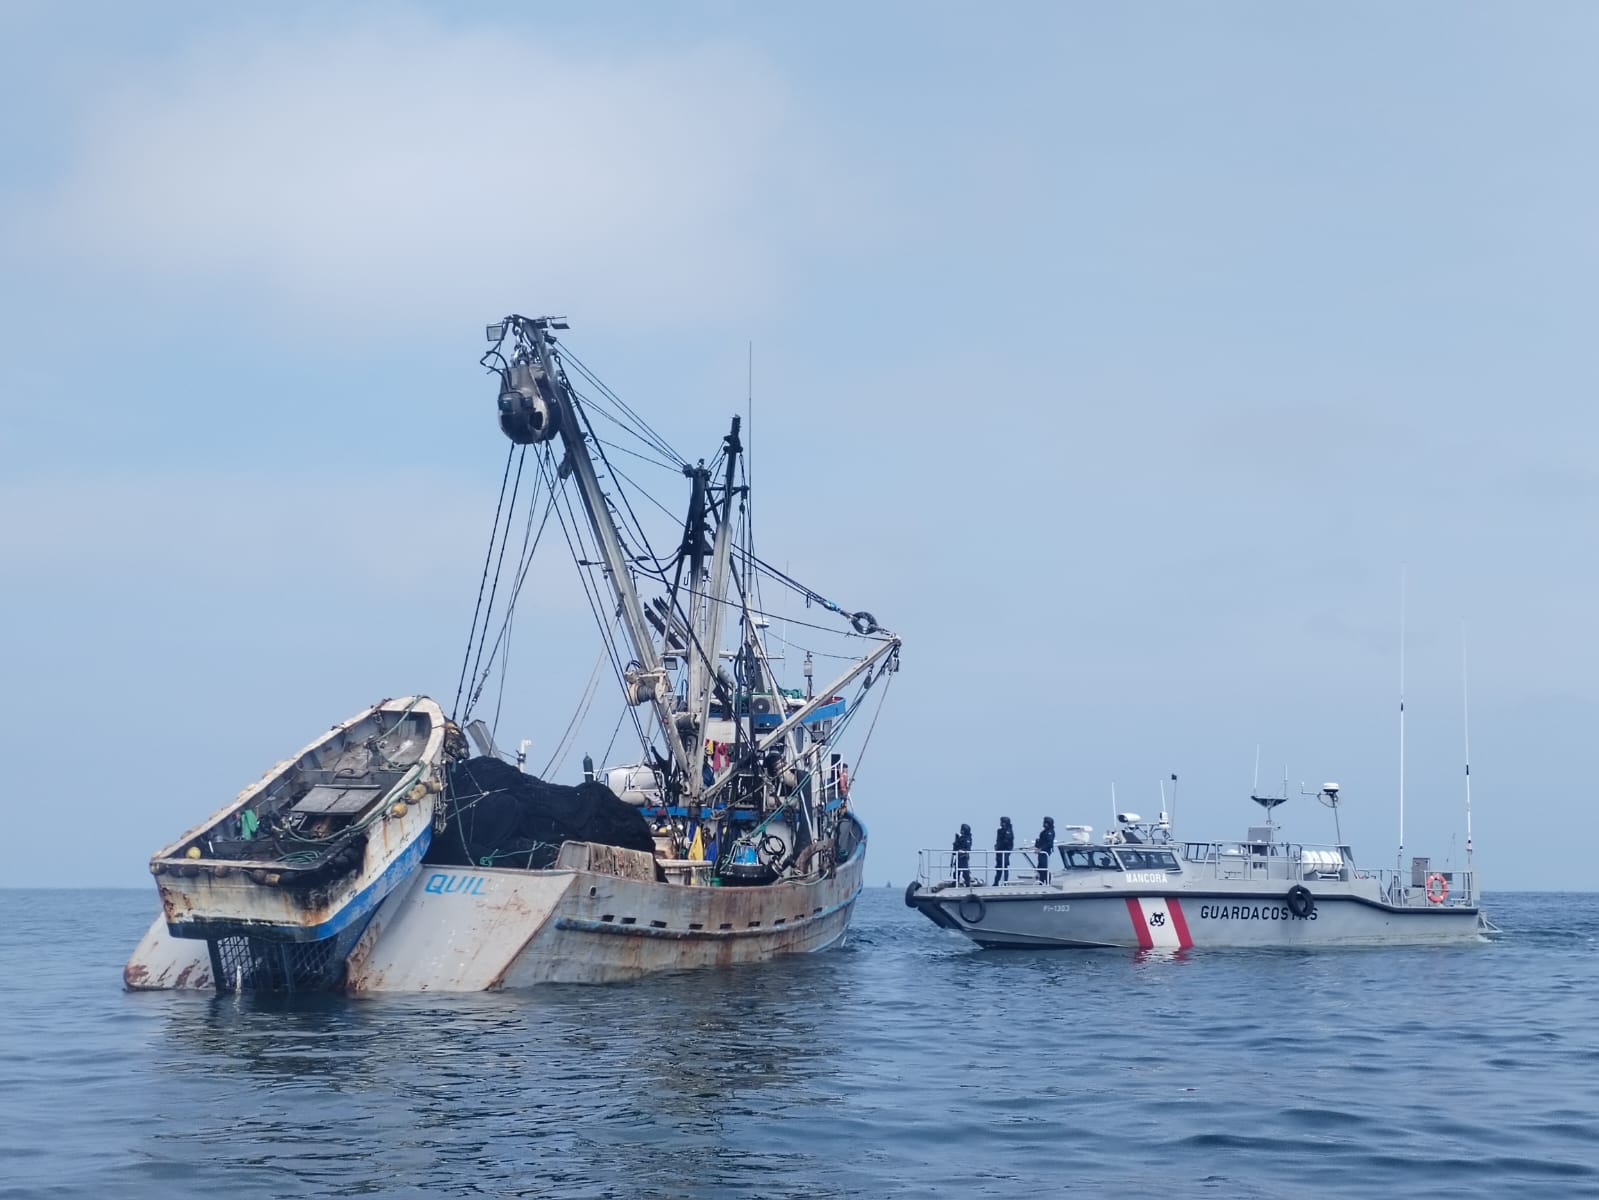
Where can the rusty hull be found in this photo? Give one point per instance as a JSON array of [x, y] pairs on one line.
[[162, 962], [459, 929], [462, 929]]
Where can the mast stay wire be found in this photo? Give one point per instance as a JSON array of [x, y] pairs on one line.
[[488, 610], [499, 504], [654, 462], [646, 433], [761, 568], [574, 543], [603, 409], [530, 545], [500, 564], [562, 748], [636, 528]]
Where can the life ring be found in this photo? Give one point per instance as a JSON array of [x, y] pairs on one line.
[[1300, 902], [972, 909], [1437, 888]]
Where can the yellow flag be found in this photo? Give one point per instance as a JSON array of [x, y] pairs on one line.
[[697, 850]]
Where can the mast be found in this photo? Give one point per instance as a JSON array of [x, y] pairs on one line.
[[649, 682], [1400, 861], [693, 552], [709, 630], [1465, 703]]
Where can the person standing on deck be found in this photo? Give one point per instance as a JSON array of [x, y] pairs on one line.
[[1004, 843], [963, 856], [1044, 844]]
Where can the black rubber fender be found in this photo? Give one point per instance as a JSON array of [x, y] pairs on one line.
[[910, 894], [972, 909], [1300, 902], [864, 623]]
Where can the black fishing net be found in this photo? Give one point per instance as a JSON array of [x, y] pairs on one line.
[[500, 817]]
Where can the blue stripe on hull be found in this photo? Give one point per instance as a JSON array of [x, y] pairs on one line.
[[359, 907]]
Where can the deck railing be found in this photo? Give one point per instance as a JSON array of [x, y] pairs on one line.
[[1281, 862], [938, 866]]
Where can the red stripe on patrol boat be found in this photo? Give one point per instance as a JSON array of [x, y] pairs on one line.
[[1140, 926], [1179, 922]]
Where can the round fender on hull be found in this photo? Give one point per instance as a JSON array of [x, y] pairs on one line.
[[910, 894], [972, 909], [1300, 902]]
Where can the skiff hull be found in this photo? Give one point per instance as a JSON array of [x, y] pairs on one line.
[[214, 884]]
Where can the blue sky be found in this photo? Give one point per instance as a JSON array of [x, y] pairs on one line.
[[1117, 356]]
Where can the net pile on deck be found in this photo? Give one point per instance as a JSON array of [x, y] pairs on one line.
[[500, 817]]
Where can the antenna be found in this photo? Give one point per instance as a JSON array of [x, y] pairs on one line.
[[1328, 795], [1255, 786], [1268, 802], [1402, 597], [1465, 704]]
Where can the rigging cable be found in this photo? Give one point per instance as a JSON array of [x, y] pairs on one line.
[[499, 566], [483, 582], [529, 548], [606, 757], [865, 741], [636, 528], [579, 554], [558, 755], [647, 433]]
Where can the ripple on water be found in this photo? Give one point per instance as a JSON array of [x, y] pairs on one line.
[[907, 1063]]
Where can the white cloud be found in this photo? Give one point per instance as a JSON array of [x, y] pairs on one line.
[[395, 173]]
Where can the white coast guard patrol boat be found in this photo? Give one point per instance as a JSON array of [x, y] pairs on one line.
[[1141, 888]]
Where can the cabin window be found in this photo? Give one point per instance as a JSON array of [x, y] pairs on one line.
[[1088, 858], [1148, 860]]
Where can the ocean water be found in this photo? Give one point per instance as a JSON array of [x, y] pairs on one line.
[[905, 1064]]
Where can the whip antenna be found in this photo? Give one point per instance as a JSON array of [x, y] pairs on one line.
[[1465, 703]]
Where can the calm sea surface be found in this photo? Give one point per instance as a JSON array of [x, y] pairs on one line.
[[907, 1063]]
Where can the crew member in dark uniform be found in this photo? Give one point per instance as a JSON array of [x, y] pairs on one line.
[[963, 857], [1004, 843], [1044, 843]]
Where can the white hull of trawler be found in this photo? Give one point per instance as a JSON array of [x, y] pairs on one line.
[[458, 929]]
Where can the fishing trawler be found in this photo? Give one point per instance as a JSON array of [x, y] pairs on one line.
[[1140, 888], [731, 838]]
